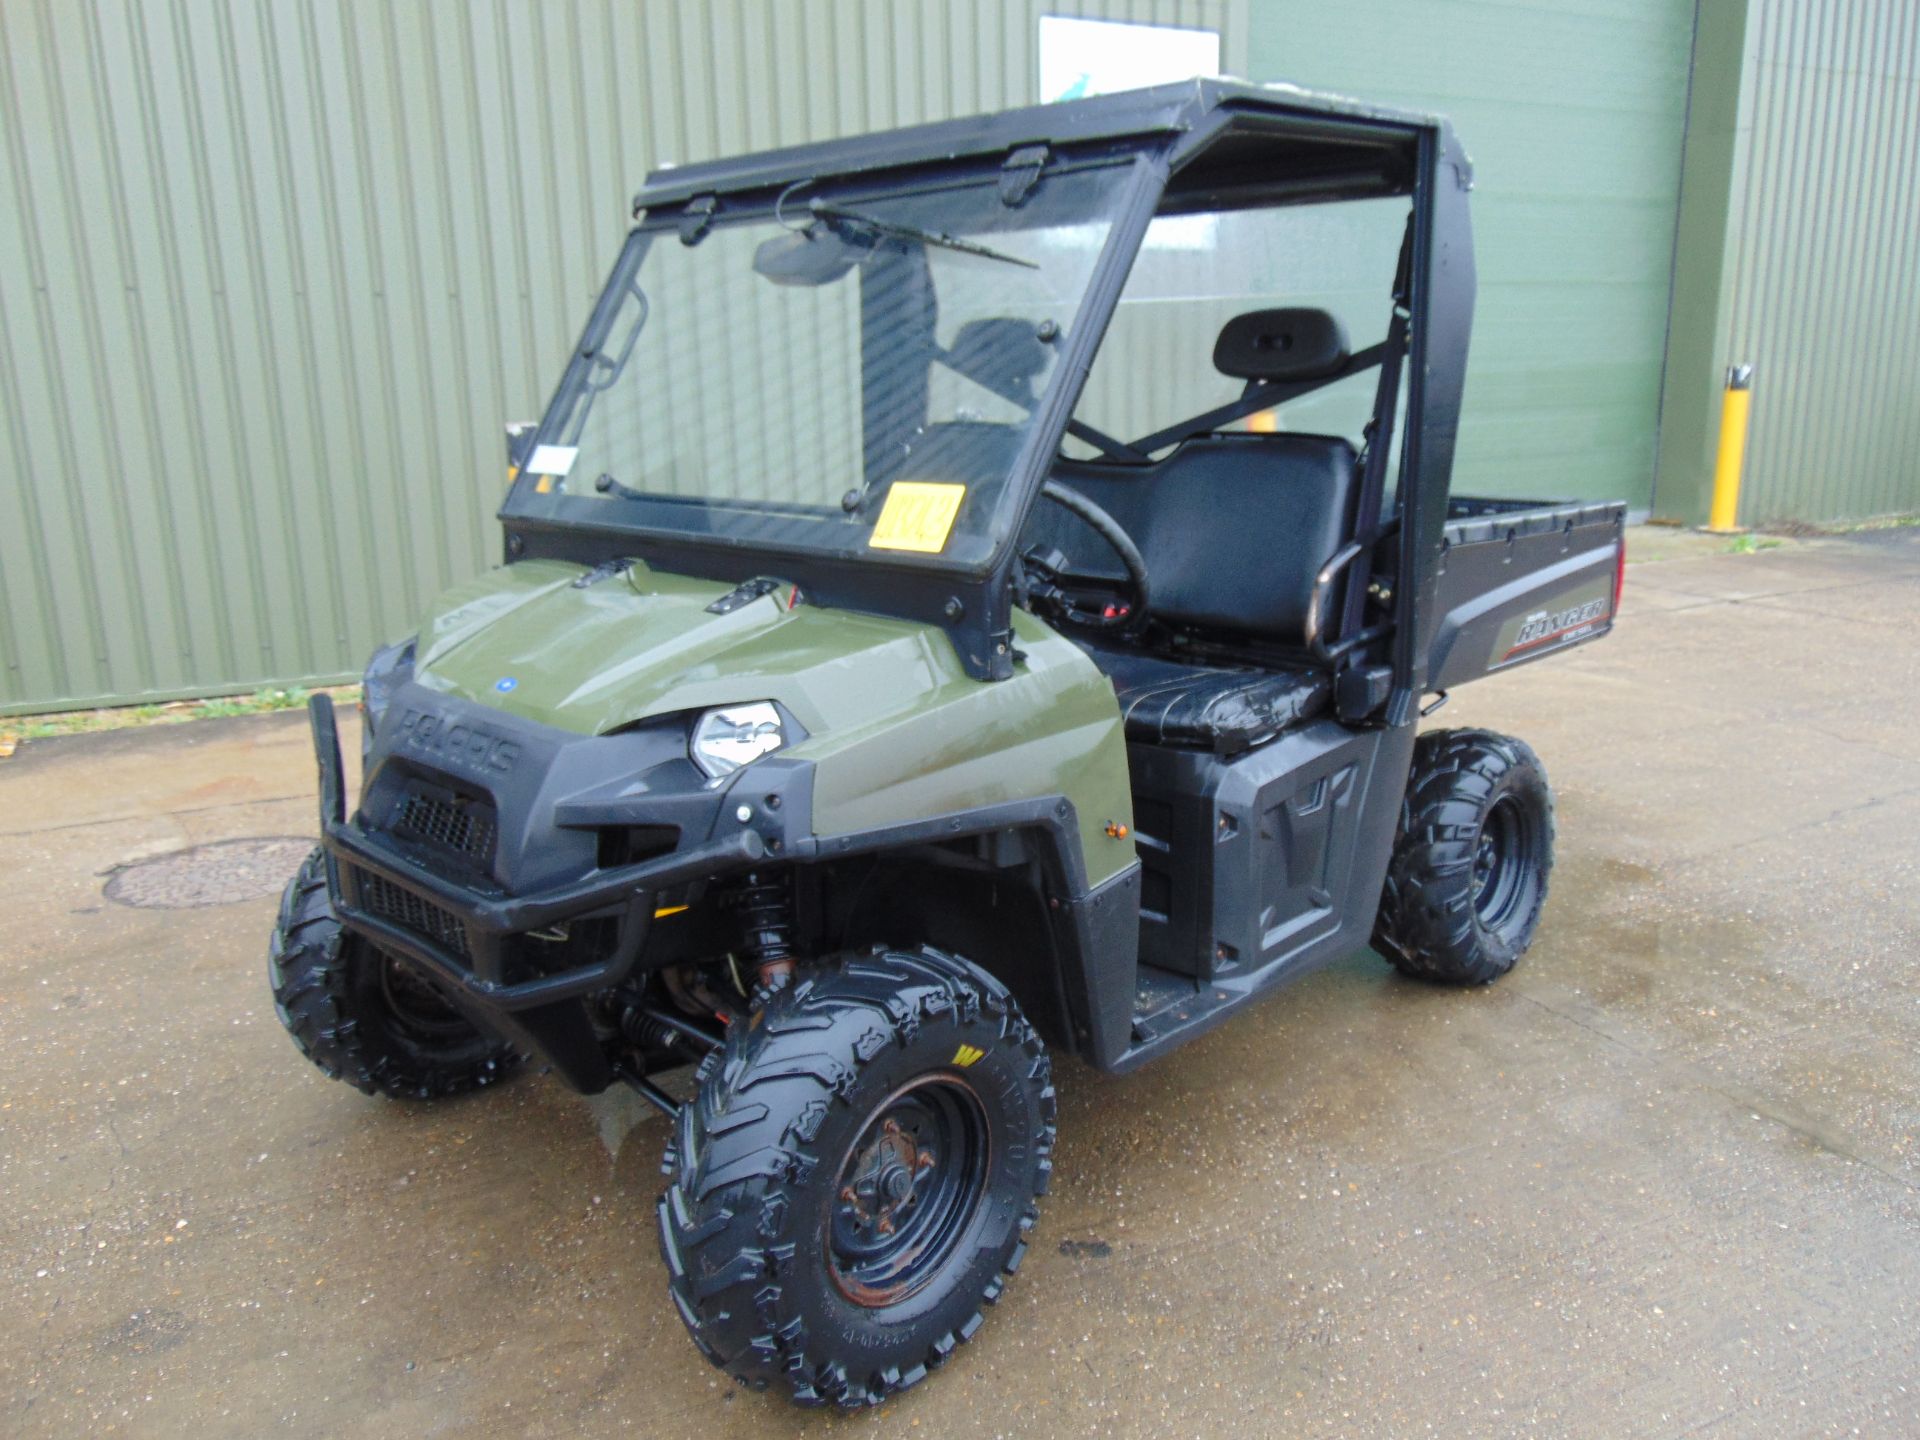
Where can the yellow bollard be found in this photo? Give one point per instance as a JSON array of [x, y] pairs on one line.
[[1734, 413]]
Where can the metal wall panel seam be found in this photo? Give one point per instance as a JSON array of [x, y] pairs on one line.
[[1791, 296], [200, 327], [150, 568], [1905, 361], [280, 564], [306, 411], [1897, 357], [1788, 231], [433, 572], [52, 651], [1837, 422], [246, 283], [1833, 270], [60, 417], [1673, 271]]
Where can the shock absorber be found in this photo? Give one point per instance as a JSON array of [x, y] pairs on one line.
[[765, 903]]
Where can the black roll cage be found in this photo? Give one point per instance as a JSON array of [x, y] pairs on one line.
[[1198, 146]]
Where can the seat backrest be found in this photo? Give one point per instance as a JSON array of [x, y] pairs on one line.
[[1233, 527]]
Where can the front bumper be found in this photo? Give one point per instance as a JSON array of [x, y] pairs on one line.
[[463, 942]]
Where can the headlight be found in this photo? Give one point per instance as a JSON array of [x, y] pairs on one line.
[[736, 735]]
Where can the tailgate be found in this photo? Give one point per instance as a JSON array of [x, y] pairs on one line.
[[1520, 580]]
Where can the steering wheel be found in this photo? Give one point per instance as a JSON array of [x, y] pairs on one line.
[[1096, 519]]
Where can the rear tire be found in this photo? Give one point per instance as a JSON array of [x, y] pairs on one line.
[[364, 1017], [857, 1175], [1470, 864]]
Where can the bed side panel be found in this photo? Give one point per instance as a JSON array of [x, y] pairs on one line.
[[1517, 585]]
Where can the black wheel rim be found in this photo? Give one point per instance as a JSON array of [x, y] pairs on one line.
[[908, 1190], [416, 1007], [1503, 862]]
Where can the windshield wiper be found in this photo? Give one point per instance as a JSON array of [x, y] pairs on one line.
[[607, 485], [829, 210]]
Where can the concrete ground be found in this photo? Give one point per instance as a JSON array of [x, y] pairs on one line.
[[1662, 1180]]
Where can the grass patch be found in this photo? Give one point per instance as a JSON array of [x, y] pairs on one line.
[[122, 717], [261, 702], [1749, 544]]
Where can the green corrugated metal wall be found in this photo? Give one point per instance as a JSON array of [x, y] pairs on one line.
[[274, 272], [1573, 113], [1825, 249]]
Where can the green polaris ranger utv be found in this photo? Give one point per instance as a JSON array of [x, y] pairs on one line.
[[971, 597]]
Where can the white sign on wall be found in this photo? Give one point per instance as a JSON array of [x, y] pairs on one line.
[[1097, 57]]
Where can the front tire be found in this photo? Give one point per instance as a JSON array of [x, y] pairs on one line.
[[364, 1017], [856, 1176], [1470, 864]]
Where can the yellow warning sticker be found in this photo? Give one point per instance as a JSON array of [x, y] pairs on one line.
[[918, 516], [966, 1055]]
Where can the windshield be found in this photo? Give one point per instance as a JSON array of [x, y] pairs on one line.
[[845, 369]]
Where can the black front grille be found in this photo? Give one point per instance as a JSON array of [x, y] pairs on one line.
[[452, 822], [381, 897]]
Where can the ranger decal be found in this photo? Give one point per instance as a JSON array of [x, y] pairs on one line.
[[1565, 625]]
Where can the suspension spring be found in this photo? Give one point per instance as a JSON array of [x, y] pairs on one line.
[[765, 903]]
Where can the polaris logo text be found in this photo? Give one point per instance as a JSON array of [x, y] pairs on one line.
[[460, 745]]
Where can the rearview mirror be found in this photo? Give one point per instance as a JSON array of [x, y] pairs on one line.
[[813, 256]]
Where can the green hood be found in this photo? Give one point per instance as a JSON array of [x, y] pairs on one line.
[[897, 729], [591, 659]]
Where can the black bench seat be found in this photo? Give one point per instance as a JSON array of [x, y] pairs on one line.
[[1225, 710]]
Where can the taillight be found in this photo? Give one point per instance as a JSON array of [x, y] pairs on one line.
[[1619, 572]]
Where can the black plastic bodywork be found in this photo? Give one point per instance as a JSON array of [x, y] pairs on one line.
[[1257, 868], [474, 922], [1508, 562], [464, 914]]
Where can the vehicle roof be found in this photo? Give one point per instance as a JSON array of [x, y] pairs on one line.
[[1184, 107]]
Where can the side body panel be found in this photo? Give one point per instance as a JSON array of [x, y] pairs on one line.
[[958, 744], [1271, 867], [1248, 861]]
